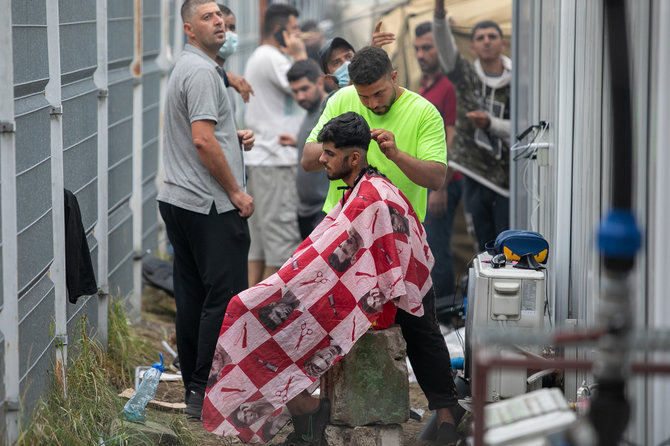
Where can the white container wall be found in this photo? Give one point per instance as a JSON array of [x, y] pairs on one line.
[[561, 72]]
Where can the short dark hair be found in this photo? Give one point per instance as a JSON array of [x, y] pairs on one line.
[[309, 25], [346, 130], [485, 24], [189, 6], [423, 28], [304, 68], [225, 10], [369, 65], [277, 14]]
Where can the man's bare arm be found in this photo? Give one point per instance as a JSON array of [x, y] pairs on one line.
[[216, 163], [241, 85], [310, 157], [444, 39], [430, 174]]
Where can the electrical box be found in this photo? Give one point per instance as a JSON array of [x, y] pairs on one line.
[[502, 298]]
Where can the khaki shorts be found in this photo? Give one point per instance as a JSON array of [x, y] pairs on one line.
[[274, 224]]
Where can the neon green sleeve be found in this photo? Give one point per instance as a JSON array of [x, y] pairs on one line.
[[432, 142]]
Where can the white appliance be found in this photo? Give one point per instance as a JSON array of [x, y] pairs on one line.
[[504, 297], [528, 419]]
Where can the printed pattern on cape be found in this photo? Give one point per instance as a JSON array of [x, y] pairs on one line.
[[280, 336]]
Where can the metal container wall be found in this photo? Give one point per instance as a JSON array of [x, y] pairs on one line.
[[561, 75]]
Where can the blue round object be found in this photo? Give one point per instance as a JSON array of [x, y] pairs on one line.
[[618, 235]]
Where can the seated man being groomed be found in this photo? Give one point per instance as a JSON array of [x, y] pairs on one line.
[[370, 250]]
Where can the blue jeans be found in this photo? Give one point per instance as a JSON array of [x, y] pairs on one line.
[[438, 231]]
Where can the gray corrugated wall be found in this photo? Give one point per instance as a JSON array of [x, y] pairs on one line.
[[33, 188], [151, 33], [33, 174], [120, 52]]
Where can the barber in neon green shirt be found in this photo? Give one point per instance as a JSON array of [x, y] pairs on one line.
[[408, 141]]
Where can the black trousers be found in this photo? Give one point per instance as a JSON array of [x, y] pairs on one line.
[[307, 224], [428, 354], [210, 267], [489, 210]]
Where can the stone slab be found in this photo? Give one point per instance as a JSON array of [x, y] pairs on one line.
[[386, 435], [369, 385]]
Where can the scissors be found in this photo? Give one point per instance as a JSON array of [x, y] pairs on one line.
[[317, 279], [303, 331], [283, 394]]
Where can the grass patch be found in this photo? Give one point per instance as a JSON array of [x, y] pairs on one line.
[[89, 413], [124, 349], [86, 415]]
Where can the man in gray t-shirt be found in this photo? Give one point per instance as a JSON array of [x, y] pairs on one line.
[[307, 85], [203, 201]]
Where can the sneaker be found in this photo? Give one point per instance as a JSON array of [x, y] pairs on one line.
[[194, 404], [309, 428], [446, 434]]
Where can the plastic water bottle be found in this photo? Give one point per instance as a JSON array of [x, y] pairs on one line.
[[135, 408]]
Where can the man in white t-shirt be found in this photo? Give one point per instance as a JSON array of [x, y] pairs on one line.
[[271, 169]]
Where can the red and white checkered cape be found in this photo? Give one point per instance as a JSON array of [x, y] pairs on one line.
[[253, 363]]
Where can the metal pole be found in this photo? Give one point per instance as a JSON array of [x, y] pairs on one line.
[[9, 315], [136, 197], [102, 225], [164, 64], [52, 93], [619, 242]]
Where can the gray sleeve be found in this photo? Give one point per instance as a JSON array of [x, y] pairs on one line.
[[500, 127], [200, 89], [445, 44]]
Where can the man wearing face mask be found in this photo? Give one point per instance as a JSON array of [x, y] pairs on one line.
[[229, 25], [228, 48], [335, 56]]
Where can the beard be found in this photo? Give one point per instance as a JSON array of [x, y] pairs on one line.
[[344, 170], [385, 108]]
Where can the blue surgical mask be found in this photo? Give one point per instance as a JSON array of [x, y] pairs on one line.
[[229, 46], [342, 74]]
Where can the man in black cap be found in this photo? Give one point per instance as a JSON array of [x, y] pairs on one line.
[[334, 57], [336, 54]]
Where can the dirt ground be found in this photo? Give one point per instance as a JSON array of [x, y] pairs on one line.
[[158, 325]]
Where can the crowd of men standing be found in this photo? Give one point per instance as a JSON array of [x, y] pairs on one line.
[[255, 193]]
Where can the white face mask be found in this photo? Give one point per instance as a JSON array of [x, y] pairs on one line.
[[229, 46]]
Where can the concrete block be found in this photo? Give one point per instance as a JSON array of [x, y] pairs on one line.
[[386, 435], [369, 385]]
